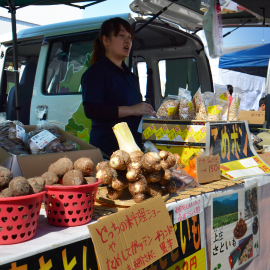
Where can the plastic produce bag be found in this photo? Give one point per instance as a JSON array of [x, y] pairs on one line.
[[150, 147], [198, 102], [169, 108], [183, 180], [221, 93], [234, 108], [186, 109], [255, 139], [212, 25]]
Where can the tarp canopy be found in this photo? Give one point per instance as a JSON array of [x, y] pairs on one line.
[[252, 61]]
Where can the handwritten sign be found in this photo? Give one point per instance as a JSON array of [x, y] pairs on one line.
[[188, 209], [207, 168], [134, 238]]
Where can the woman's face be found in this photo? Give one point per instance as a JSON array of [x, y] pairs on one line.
[[118, 46]]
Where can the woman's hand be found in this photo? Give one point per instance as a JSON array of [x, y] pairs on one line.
[[138, 109], [142, 108]]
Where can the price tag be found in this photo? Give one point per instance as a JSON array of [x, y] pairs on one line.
[[213, 110], [199, 135], [149, 131], [187, 133], [43, 138], [174, 133], [162, 132], [172, 110], [20, 132], [224, 96], [207, 168]]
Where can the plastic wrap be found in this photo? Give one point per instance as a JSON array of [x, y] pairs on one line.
[[150, 147], [221, 94], [255, 139], [198, 102], [169, 108], [182, 180], [234, 108], [215, 107], [186, 108]]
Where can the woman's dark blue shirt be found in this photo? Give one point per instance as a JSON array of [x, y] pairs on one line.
[[105, 87]]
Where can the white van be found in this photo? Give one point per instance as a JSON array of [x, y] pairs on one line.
[[52, 59]]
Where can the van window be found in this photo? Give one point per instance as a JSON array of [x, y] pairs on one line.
[[142, 74], [175, 73], [69, 58]]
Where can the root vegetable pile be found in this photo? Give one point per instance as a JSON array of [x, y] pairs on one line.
[[146, 175]]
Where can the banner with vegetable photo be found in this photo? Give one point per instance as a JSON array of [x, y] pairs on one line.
[[238, 158], [235, 235], [189, 226]]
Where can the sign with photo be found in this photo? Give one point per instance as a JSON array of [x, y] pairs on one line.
[[235, 232]]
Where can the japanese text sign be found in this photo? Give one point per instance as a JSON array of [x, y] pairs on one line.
[[134, 238], [188, 209], [207, 168]]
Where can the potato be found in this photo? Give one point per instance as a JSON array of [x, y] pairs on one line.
[[73, 178], [90, 180], [85, 165], [120, 181], [61, 166], [138, 186], [114, 194], [5, 177], [37, 184], [19, 186], [50, 178], [102, 164], [107, 174], [5, 193], [154, 189]]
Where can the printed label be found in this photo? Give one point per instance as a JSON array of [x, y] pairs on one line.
[[172, 110], [199, 135], [190, 105], [43, 138], [149, 131], [224, 96], [20, 132], [188, 132], [174, 133], [213, 110], [161, 132]]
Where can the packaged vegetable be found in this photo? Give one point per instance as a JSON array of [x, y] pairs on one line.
[[169, 108], [198, 102], [221, 93], [186, 109], [234, 108]]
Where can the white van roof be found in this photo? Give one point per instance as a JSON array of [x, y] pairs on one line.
[[63, 28]]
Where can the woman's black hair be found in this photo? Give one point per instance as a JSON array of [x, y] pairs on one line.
[[262, 101], [230, 89], [109, 27]]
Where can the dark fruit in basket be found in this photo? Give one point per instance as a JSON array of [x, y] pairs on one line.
[[90, 180], [19, 186], [50, 178], [5, 176], [61, 166], [37, 184], [73, 178], [85, 165], [5, 193]]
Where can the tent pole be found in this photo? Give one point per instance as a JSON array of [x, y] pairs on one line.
[[12, 9], [267, 95]]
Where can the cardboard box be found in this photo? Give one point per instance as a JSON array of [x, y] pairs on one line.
[[35, 165], [253, 117], [174, 132]]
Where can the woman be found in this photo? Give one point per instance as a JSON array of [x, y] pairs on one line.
[[230, 92], [111, 93]]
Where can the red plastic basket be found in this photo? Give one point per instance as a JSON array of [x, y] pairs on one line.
[[19, 218], [68, 206]]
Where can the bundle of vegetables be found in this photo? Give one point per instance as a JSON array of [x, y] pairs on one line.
[[130, 168]]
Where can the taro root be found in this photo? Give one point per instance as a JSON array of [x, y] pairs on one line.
[[61, 166], [114, 194], [5, 176], [167, 176], [85, 165], [107, 174], [134, 171], [50, 178], [5, 193], [90, 180], [138, 186], [151, 162], [73, 178], [19, 186], [168, 159], [139, 197], [120, 160], [120, 181], [171, 187], [102, 164], [136, 156], [154, 189], [37, 184], [154, 177]]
